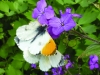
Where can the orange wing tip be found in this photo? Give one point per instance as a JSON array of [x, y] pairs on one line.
[[49, 49]]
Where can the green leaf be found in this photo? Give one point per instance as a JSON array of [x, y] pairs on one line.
[[12, 32], [62, 47], [77, 1], [72, 43], [1, 29], [92, 50], [1, 35], [84, 3], [10, 13], [12, 71], [4, 6], [69, 2], [87, 28], [17, 64], [1, 15], [19, 57], [3, 51], [26, 66], [22, 7], [10, 41], [29, 15], [89, 42], [2, 71], [16, 24], [60, 2], [86, 17]]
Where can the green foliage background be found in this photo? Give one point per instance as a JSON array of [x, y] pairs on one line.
[[79, 43]]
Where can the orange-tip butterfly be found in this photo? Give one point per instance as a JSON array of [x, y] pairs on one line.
[[38, 46]]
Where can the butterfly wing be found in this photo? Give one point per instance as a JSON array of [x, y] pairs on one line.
[[27, 32], [39, 43], [30, 58], [56, 60], [44, 63]]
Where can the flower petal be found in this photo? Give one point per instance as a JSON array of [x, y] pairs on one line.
[[30, 58], [35, 13], [44, 63], [91, 67], [41, 5], [57, 30], [76, 15], [54, 22], [68, 10], [49, 29], [69, 25], [49, 12], [65, 18], [96, 65], [42, 20]]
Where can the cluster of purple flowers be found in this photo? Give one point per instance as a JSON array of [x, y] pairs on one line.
[[93, 62], [46, 16]]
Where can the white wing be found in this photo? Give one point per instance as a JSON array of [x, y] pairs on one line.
[[44, 63], [37, 45], [56, 59], [27, 32], [22, 44], [30, 58]]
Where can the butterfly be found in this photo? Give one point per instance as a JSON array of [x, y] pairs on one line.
[[38, 46]]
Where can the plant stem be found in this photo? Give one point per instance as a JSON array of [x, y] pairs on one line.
[[84, 36]]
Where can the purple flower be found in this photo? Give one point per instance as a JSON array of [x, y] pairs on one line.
[[42, 12], [64, 23], [33, 65], [93, 62], [66, 56], [46, 73], [49, 29], [57, 71], [69, 64]]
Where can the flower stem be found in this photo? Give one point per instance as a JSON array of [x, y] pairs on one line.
[[84, 36]]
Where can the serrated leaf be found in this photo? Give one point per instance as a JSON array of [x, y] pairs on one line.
[[61, 47], [4, 6], [12, 32], [10, 41], [2, 71], [29, 15], [87, 29], [92, 50]]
